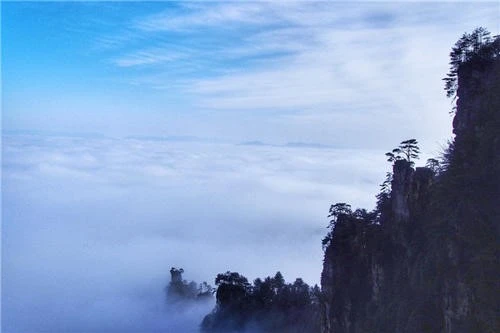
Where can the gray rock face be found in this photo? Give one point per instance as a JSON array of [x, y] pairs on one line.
[[402, 182]]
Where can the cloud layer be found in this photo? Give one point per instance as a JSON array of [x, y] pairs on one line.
[[92, 225]]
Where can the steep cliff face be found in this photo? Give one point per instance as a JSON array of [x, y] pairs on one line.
[[430, 262], [471, 299], [370, 270]]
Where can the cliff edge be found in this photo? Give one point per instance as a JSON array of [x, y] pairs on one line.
[[427, 259]]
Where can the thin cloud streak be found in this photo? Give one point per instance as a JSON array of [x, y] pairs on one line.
[[148, 57], [200, 15], [321, 57]]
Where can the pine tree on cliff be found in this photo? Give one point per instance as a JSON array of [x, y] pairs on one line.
[[337, 210], [477, 46], [407, 150]]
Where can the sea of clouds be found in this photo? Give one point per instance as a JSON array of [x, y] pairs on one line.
[[92, 225]]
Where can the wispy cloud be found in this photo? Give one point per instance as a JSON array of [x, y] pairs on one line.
[[321, 59], [307, 55], [195, 15], [274, 71], [152, 56]]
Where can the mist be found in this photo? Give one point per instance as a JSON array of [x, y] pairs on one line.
[[91, 226]]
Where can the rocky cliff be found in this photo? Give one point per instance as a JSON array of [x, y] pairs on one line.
[[427, 260]]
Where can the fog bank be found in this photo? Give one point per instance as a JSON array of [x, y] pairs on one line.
[[91, 226]]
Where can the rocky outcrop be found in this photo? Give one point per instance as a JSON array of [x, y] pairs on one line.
[[430, 262], [364, 258]]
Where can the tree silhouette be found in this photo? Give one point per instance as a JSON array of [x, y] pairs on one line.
[[433, 164], [338, 209], [407, 150], [477, 45], [410, 149], [270, 305], [383, 197], [385, 187], [232, 290], [232, 278], [278, 280], [394, 155]]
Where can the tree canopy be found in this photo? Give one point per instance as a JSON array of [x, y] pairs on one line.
[[269, 305], [475, 46], [338, 209], [407, 150]]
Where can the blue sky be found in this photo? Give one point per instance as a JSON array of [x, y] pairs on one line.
[[270, 71]]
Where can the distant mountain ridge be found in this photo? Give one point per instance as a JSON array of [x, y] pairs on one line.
[[297, 144]]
